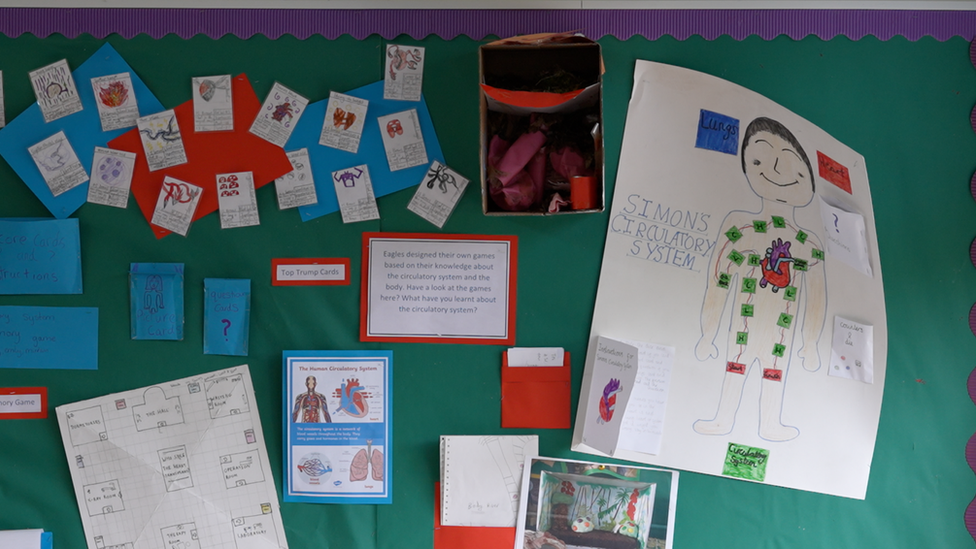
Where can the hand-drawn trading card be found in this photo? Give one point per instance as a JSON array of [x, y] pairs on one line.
[[296, 188], [111, 177], [279, 115], [345, 117], [402, 139], [404, 74], [3, 118], [237, 201], [355, 193], [116, 101], [213, 104], [438, 194], [55, 90], [58, 163], [161, 140], [176, 205]]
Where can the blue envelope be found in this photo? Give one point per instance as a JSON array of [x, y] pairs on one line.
[[156, 301], [40, 256], [226, 316]]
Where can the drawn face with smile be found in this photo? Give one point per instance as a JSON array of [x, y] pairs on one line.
[[776, 171]]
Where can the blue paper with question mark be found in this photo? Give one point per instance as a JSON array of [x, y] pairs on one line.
[[226, 316], [156, 301]]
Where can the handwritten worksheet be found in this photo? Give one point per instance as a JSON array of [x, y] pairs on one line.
[[178, 465]]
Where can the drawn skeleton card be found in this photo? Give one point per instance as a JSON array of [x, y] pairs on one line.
[[55, 90]]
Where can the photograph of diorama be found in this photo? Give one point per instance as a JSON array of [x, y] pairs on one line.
[[579, 505]]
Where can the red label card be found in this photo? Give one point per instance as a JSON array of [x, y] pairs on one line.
[[310, 271], [23, 403], [833, 171]]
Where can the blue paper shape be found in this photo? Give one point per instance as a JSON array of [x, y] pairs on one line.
[[47, 540], [326, 160], [156, 300], [226, 316], [717, 132], [51, 338], [40, 256], [83, 129]]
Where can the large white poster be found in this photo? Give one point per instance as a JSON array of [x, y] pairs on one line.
[[716, 246]]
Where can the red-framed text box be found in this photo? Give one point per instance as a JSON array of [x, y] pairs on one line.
[[310, 271], [438, 288], [23, 402]]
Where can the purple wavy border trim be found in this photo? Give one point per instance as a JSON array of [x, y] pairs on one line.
[[969, 517], [479, 24]]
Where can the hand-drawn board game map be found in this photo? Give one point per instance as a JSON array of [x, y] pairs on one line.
[[178, 465]]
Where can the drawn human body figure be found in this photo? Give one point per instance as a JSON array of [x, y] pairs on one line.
[[310, 407], [774, 271]]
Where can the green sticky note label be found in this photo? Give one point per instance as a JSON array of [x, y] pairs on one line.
[[749, 285], [741, 338], [785, 320], [817, 254], [736, 257], [802, 237], [759, 226], [733, 234], [799, 264], [747, 309], [745, 462], [724, 279], [755, 260], [779, 349], [779, 222], [789, 293]]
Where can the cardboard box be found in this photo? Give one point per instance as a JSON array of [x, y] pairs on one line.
[[516, 76]]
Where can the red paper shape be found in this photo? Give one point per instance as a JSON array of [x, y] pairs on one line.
[[10, 391], [833, 171], [208, 154], [468, 537], [535, 397], [530, 99]]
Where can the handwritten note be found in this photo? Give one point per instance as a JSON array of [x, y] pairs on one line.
[[536, 356], [156, 300], [846, 237], [614, 374], [40, 256], [51, 338], [643, 423]]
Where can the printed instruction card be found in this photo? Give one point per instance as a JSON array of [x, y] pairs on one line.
[[337, 426], [439, 288]]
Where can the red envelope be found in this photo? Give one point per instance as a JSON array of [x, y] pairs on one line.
[[208, 154], [535, 397], [468, 537]]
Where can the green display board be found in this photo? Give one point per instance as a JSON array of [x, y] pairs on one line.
[[903, 105]]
